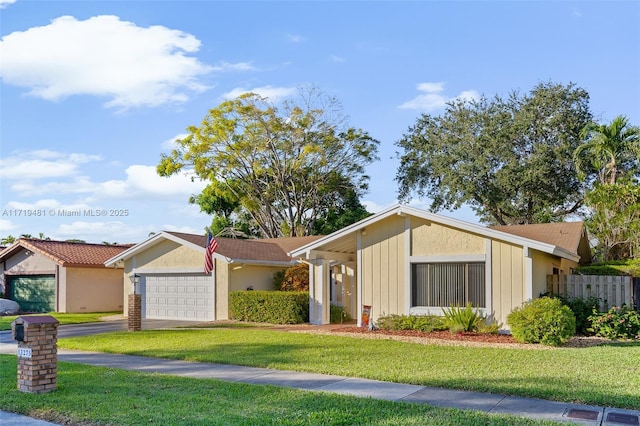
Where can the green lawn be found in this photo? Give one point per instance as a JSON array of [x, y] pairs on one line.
[[102, 396], [603, 375], [5, 322]]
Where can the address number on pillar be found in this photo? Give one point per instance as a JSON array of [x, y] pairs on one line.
[[24, 352]]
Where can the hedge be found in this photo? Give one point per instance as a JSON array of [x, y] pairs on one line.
[[274, 307]]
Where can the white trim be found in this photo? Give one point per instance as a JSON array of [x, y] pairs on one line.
[[359, 277], [407, 266], [312, 294], [454, 258], [488, 276], [528, 274]]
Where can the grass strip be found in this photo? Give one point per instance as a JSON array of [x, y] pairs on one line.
[[103, 396], [5, 321], [606, 375]]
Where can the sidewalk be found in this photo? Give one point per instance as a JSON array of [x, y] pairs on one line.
[[489, 403]]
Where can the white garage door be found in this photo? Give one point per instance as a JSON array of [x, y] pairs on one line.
[[178, 296]]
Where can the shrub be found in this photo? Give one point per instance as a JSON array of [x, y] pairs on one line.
[[337, 315], [295, 278], [458, 319], [274, 307], [545, 320], [582, 309], [618, 323], [424, 323]]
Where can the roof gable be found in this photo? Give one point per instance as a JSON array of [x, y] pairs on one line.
[[67, 253], [444, 220], [256, 251]]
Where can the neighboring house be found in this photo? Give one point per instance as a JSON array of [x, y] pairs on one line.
[[172, 282], [408, 261], [60, 276]]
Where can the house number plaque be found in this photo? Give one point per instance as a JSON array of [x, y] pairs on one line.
[[24, 352]]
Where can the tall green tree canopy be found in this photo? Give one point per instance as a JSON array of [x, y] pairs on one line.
[[510, 159], [284, 165], [609, 150]]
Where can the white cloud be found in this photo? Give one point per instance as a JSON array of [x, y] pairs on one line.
[[6, 226], [95, 232], [42, 164], [103, 56], [145, 181], [170, 144], [273, 93], [432, 97], [336, 58], [5, 3], [240, 66], [295, 38]]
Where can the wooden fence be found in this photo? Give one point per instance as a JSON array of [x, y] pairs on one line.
[[611, 290]]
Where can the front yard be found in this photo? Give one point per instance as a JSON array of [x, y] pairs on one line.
[[103, 396], [606, 375]]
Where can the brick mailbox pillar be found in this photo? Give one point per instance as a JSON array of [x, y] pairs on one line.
[[37, 338], [135, 312]]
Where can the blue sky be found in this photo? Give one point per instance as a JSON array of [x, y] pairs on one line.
[[94, 91]]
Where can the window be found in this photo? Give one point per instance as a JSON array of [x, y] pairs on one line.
[[447, 284]]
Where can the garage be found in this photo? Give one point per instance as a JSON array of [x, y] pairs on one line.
[[178, 296], [34, 293]]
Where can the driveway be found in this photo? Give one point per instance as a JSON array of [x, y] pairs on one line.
[[75, 330]]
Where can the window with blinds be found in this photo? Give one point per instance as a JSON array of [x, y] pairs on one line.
[[447, 284]]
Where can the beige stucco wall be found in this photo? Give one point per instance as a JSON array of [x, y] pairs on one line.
[[383, 263], [32, 263], [92, 290], [256, 276], [221, 271], [169, 254], [433, 239]]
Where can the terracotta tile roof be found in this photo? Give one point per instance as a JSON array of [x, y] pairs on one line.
[[69, 253], [264, 249], [566, 235]]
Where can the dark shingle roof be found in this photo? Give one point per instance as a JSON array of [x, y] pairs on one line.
[[562, 234], [264, 249]]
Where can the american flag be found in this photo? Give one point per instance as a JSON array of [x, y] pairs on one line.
[[212, 245]]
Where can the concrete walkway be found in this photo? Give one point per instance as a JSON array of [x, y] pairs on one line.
[[489, 403]]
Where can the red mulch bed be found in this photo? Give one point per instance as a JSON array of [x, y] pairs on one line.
[[444, 335]]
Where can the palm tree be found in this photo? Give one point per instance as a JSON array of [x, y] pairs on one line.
[[610, 149]]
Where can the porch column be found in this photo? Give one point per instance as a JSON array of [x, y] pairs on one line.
[[319, 302]]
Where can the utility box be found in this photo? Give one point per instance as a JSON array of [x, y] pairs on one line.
[[37, 338]]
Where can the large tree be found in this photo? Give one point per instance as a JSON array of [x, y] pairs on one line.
[[284, 165], [510, 159], [609, 160], [611, 150], [614, 219]]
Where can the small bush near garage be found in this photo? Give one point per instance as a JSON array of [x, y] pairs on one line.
[[424, 323], [545, 320], [274, 307]]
